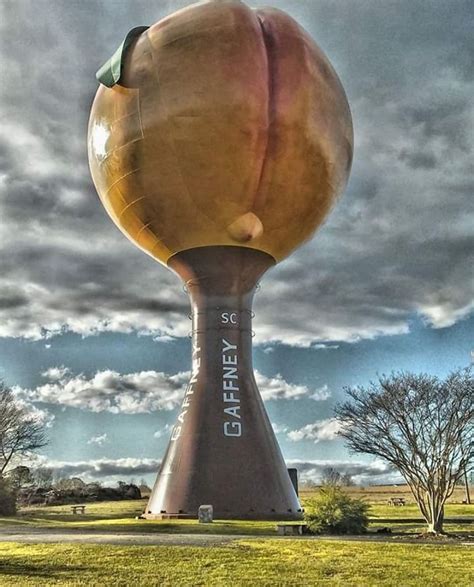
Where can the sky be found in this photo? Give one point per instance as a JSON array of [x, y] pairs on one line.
[[93, 332]]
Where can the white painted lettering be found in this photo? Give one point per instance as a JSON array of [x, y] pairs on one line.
[[230, 388], [233, 411], [230, 373], [235, 429], [228, 346], [229, 317], [229, 385], [230, 398], [229, 359], [189, 391]]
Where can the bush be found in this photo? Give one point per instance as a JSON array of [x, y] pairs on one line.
[[7, 499], [334, 512], [68, 492]]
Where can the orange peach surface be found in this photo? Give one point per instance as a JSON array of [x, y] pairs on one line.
[[229, 127]]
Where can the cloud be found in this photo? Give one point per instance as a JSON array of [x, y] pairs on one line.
[[276, 388], [140, 393], [279, 428], [95, 469], [163, 432], [327, 347], [41, 415], [109, 391], [268, 350], [109, 470], [362, 472], [321, 430], [397, 245], [99, 440], [56, 373], [321, 394]]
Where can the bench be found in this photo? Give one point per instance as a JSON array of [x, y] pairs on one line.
[[290, 529], [78, 509], [396, 501]]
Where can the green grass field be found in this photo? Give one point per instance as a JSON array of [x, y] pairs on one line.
[[379, 494], [253, 562], [260, 559], [119, 516]]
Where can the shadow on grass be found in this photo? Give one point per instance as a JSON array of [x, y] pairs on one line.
[[20, 568]]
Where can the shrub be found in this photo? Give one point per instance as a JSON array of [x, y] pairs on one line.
[[7, 499], [334, 512]]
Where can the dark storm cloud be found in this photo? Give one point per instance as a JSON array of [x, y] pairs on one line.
[[418, 159], [371, 472], [12, 301], [397, 244], [361, 472], [101, 468]]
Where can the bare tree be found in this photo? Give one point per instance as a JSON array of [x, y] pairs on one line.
[[330, 476], [20, 432], [70, 483], [43, 477], [420, 424], [347, 481], [20, 477]]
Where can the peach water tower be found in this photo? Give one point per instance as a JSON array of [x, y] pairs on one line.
[[219, 139]]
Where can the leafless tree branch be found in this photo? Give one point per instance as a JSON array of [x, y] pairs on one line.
[[20, 432], [422, 425]]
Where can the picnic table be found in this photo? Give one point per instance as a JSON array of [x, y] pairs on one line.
[[78, 509], [396, 501]]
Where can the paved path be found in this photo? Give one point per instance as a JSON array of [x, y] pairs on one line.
[[48, 537], [53, 535]]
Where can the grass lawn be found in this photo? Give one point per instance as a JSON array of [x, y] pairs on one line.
[[118, 516], [382, 493], [254, 562], [452, 510]]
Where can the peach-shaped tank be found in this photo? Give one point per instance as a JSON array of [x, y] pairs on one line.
[[228, 127]]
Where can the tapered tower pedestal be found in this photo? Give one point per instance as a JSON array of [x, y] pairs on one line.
[[223, 451]]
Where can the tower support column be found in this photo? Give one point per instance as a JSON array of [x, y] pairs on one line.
[[223, 451]]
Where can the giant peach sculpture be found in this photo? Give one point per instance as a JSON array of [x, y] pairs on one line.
[[219, 139]]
